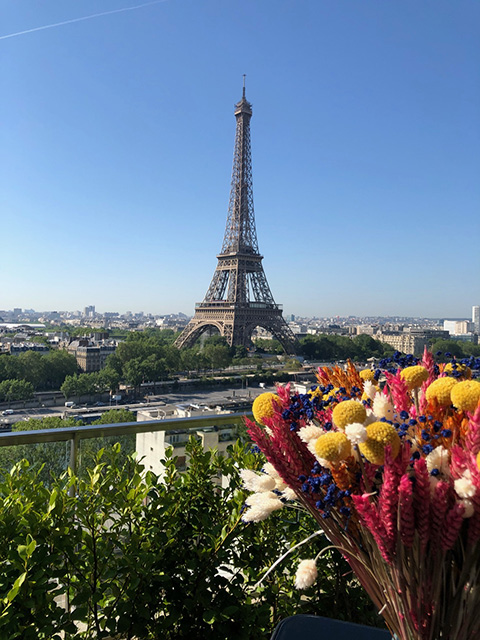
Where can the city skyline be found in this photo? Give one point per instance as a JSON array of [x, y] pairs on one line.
[[117, 150], [98, 314]]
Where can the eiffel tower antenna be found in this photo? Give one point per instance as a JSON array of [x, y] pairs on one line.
[[239, 299]]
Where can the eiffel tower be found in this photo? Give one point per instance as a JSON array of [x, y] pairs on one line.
[[239, 299]]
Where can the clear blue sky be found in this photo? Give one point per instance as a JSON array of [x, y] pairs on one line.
[[116, 144]]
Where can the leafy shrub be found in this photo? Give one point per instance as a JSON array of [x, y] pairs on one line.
[[123, 553]]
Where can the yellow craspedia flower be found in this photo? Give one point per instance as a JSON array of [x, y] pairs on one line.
[[367, 374], [414, 376], [263, 406], [333, 446], [478, 460], [466, 395], [379, 435], [348, 412], [440, 390], [459, 370]]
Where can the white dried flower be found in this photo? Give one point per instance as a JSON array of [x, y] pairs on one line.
[[265, 483], [369, 389], [256, 498], [382, 407], [306, 574], [464, 487], [270, 470], [256, 481], [289, 494], [307, 434], [261, 509], [439, 459], [356, 433], [249, 478]]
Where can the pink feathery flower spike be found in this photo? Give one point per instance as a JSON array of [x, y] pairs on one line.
[[453, 523], [473, 435], [388, 500], [368, 513], [421, 501], [283, 392], [407, 516], [438, 509], [399, 391], [429, 363]]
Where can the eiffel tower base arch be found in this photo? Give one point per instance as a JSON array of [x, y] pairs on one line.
[[236, 325]]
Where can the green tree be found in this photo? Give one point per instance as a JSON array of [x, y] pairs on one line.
[[32, 367], [9, 367], [58, 365], [12, 390], [218, 355], [453, 347], [109, 378]]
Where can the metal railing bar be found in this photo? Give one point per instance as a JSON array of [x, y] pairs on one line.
[[120, 429]]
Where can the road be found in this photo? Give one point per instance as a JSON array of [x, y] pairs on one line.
[[210, 398]]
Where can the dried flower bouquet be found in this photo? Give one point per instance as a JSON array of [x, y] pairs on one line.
[[387, 462]]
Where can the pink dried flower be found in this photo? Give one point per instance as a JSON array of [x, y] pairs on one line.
[[283, 392], [399, 391], [421, 501], [438, 510], [388, 500], [428, 361], [453, 524], [407, 516], [472, 441], [369, 515]]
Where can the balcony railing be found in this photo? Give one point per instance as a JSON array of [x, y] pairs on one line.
[[75, 435]]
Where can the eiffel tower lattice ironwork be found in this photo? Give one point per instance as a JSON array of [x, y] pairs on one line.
[[239, 299]]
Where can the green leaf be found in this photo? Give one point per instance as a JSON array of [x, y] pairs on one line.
[[52, 501], [209, 617], [16, 586]]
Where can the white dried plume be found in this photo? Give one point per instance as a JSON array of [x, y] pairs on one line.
[[289, 494], [369, 389], [257, 498], [253, 481], [306, 574], [382, 407], [356, 433], [261, 508], [270, 470], [439, 459], [307, 434], [464, 487]]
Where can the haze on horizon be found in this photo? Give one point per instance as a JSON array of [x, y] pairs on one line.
[[118, 137]]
